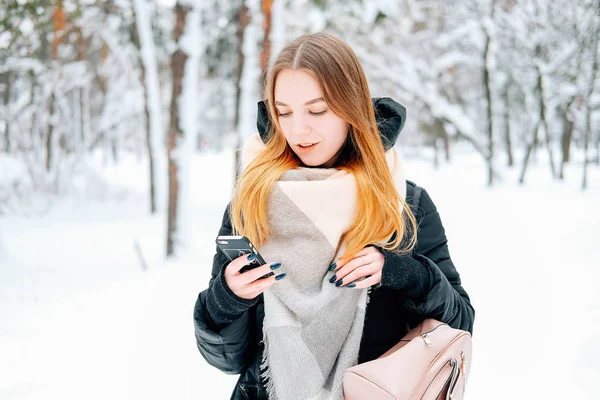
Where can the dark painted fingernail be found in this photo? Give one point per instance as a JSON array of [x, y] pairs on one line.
[[339, 283], [251, 256], [351, 285], [332, 267], [280, 277], [275, 266], [333, 278]]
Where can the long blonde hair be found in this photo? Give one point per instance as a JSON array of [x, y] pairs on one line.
[[335, 66]]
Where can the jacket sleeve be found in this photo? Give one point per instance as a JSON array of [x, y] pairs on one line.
[[222, 319], [429, 281]]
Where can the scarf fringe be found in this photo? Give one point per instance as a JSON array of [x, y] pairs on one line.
[[265, 371]]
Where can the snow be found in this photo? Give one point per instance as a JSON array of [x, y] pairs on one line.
[[22, 64], [26, 26], [81, 318], [5, 39]]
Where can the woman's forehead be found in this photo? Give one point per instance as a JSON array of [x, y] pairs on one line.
[[297, 88]]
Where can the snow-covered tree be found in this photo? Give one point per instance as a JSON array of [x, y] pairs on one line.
[[153, 110]]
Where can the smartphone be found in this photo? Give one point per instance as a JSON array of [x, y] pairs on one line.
[[237, 246]]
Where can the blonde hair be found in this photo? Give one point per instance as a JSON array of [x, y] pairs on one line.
[[335, 66]]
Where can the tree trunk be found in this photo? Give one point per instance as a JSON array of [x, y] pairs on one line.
[[507, 139], [265, 54], [175, 135], [530, 148], [446, 140], [588, 112], [136, 39], [6, 98], [86, 129], [534, 142], [586, 142], [243, 21], [58, 19], [488, 96], [565, 140], [436, 153], [597, 148], [50, 135], [439, 133], [149, 145], [114, 149], [546, 130], [78, 102], [250, 90]]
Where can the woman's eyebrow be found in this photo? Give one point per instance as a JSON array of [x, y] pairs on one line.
[[313, 101]]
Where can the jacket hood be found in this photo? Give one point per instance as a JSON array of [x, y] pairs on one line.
[[389, 114]]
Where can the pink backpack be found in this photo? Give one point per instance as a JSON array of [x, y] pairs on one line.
[[431, 362]]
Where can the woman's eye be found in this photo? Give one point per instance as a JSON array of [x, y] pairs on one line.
[[312, 113]]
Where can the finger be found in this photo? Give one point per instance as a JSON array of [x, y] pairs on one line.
[[262, 284], [239, 263], [341, 262], [256, 273], [364, 251], [360, 272], [249, 290], [367, 282], [265, 287], [352, 265]]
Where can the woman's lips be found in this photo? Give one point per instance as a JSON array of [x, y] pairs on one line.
[[307, 149]]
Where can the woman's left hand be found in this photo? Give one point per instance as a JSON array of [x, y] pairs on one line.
[[367, 263]]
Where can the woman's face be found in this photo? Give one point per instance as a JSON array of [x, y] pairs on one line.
[[305, 118]]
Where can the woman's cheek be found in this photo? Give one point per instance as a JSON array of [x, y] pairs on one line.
[[284, 126]]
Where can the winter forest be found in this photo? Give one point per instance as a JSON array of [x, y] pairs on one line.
[[121, 123]]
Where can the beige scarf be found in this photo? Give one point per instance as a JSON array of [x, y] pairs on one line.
[[312, 329]]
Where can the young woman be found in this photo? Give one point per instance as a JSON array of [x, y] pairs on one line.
[[324, 200]]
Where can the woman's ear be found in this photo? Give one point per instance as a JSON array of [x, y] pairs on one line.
[[263, 124]]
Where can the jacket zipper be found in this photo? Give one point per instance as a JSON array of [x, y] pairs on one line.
[[426, 338]]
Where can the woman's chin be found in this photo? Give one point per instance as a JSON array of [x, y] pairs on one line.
[[308, 164], [311, 162], [314, 162]]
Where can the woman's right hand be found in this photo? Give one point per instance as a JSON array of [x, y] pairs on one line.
[[247, 285]]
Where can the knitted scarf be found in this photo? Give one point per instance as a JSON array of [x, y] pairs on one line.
[[312, 329]]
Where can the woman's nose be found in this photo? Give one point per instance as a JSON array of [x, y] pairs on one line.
[[300, 126]]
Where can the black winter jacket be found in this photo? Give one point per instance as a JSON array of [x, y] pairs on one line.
[[235, 347], [424, 284]]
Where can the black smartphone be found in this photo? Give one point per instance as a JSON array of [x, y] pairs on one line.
[[237, 246]]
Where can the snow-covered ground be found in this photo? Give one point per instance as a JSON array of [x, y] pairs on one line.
[[81, 318]]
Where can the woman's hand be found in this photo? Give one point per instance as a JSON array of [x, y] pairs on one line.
[[249, 284], [367, 263]]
